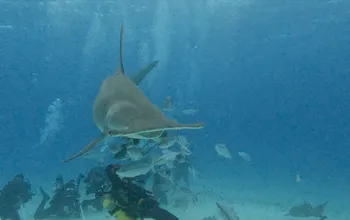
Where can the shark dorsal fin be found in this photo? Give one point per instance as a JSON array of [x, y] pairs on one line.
[[121, 65]]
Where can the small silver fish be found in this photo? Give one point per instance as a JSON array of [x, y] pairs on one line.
[[182, 140], [190, 111], [135, 153], [185, 150], [245, 156], [135, 168], [114, 148], [167, 142], [166, 157], [222, 150]]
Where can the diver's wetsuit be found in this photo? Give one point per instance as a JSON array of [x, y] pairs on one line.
[[65, 202], [14, 194], [141, 180], [128, 201], [95, 180]]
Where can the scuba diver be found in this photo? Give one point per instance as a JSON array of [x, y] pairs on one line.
[[127, 201], [95, 180], [181, 169], [15, 193], [161, 186], [168, 179], [64, 203]]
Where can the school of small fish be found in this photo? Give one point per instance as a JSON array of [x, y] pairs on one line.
[[156, 156]]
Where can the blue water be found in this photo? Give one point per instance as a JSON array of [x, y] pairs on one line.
[[271, 78]]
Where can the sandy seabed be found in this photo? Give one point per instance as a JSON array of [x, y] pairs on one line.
[[250, 202], [245, 210]]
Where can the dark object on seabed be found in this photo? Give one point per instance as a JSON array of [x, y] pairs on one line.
[[210, 218], [307, 210], [226, 213]]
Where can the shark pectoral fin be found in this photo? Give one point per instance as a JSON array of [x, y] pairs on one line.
[[87, 148], [142, 73]]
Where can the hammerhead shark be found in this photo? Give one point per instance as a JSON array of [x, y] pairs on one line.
[[122, 110]]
